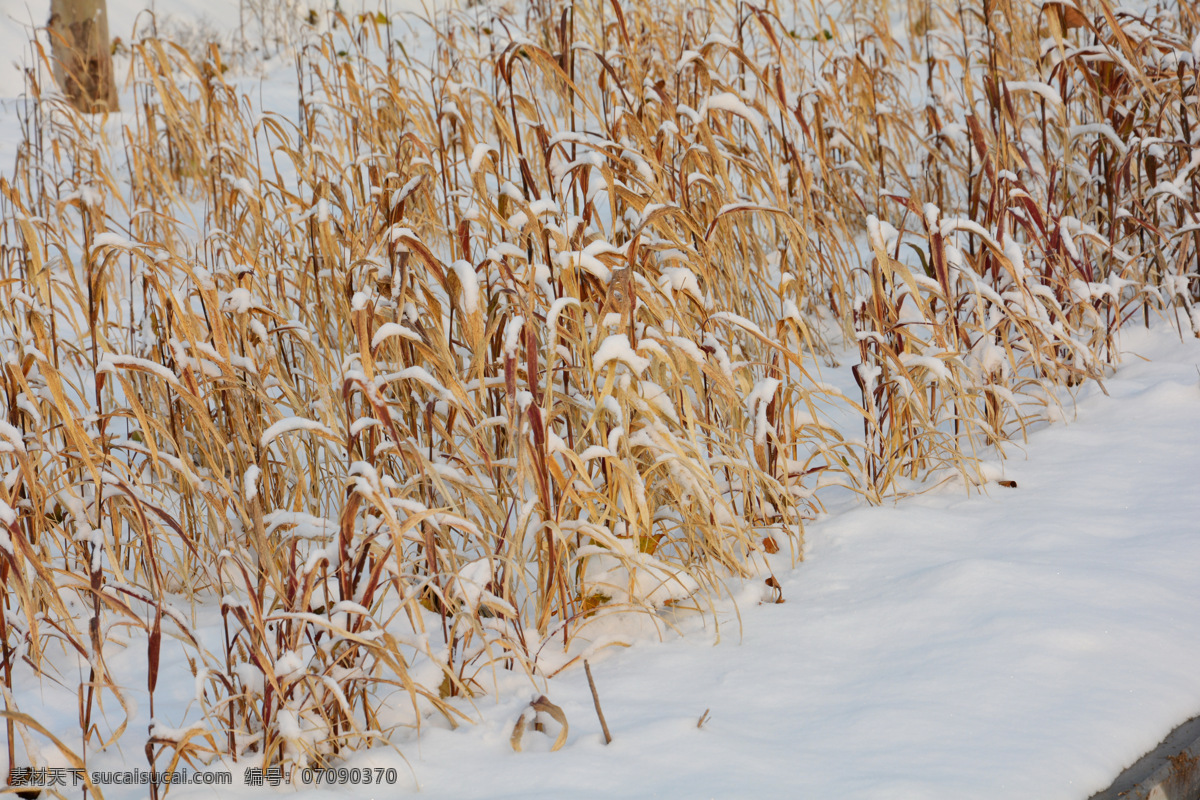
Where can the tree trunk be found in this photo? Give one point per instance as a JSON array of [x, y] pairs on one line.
[[82, 54]]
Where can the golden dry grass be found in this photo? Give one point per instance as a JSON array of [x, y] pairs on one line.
[[416, 383]]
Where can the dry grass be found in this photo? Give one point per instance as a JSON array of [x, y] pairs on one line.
[[416, 383]]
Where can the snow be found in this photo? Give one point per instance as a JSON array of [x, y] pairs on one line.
[[469, 283], [1026, 642], [1023, 642], [616, 348], [757, 402], [1043, 90], [299, 524], [1102, 129], [290, 424], [420, 375], [10, 439], [289, 663], [238, 301], [512, 336], [556, 309], [588, 258], [110, 239], [389, 329], [110, 362], [250, 483], [183, 20], [471, 582], [682, 279], [478, 155]]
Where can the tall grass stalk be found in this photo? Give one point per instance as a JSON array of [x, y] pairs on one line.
[[528, 328]]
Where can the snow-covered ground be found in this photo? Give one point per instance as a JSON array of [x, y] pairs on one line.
[[1028, 642]]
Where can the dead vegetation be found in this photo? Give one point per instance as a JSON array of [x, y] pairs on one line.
[[374, 398]]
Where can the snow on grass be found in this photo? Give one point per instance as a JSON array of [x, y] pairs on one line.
[[1026, 643], [616, 349], [290, 424], [1030, 642]]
